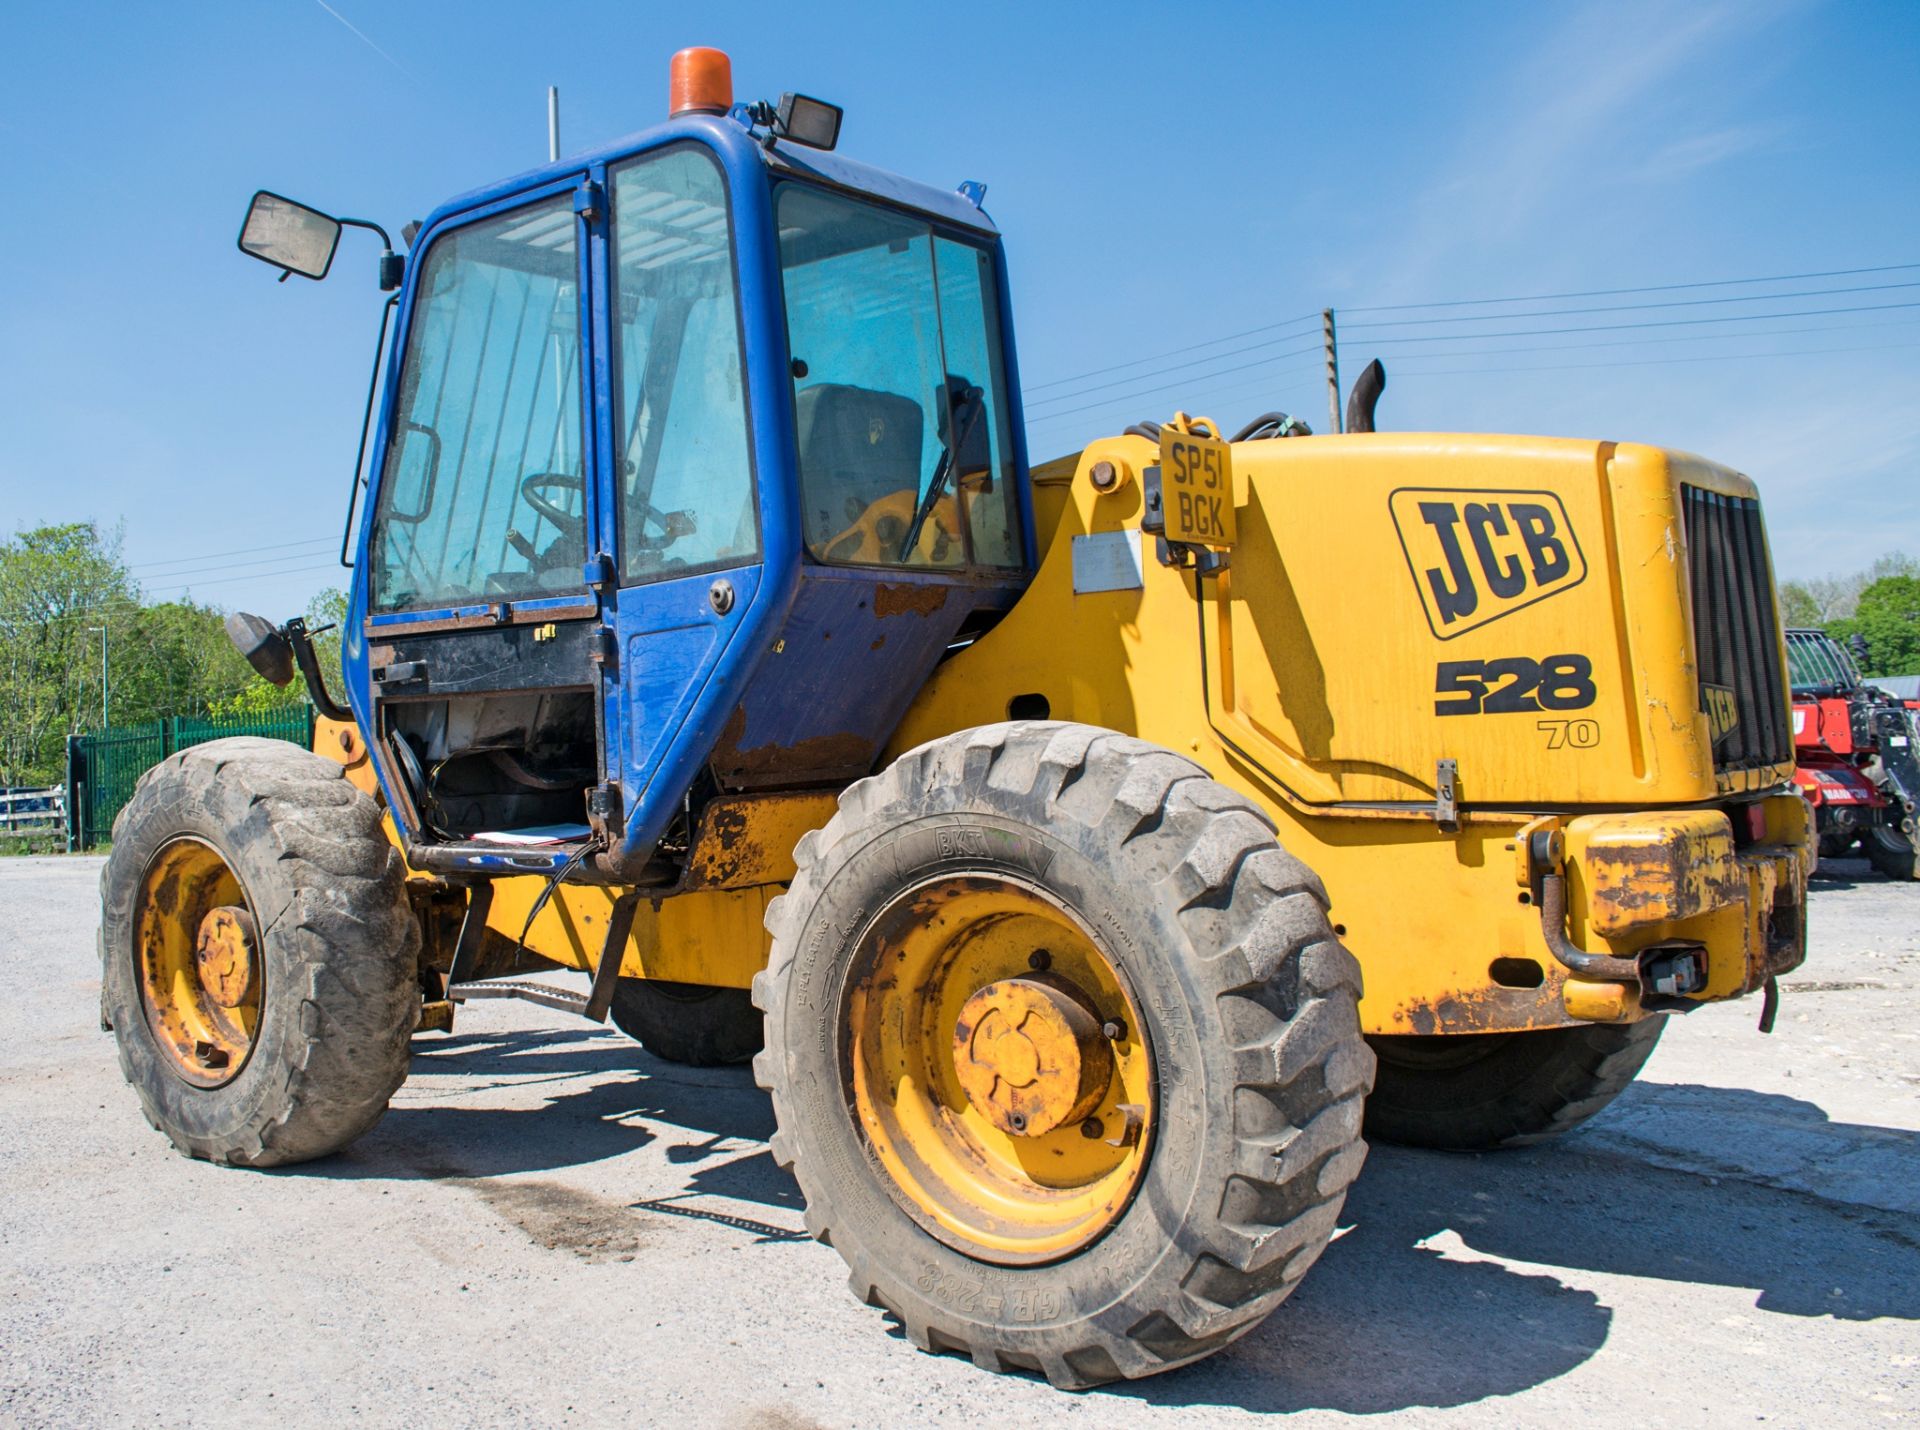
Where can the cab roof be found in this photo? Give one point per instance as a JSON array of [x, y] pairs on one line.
[[732, 134]]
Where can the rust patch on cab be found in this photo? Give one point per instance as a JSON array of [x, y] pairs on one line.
[[908, 600]]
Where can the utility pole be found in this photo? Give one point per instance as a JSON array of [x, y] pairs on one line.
[[1333, 370], [103, 672], [553, 124]]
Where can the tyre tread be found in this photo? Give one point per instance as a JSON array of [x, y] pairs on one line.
[[1250, 910]]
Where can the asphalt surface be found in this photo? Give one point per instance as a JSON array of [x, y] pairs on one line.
[[553, 1228]]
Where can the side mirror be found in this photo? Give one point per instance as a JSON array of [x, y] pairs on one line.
[[264, 645], [290, 236]]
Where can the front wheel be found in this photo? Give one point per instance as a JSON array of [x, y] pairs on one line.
[[1063, 1052], [1473, 1092], [1890, 851], [259, 962]]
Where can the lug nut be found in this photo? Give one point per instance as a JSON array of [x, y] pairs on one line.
[[1039, 960], [1093, 1129], [1113, 1030]]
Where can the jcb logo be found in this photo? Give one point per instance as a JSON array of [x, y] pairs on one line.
[[1479, 555], [1723, 714]]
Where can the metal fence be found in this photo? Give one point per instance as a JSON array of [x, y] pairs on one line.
[[33, 815], [103, 768]]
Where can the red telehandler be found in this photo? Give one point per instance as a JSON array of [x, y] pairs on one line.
[[1855, 753]]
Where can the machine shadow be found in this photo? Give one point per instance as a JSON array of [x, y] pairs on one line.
[[602, 1095], [1452, 1284]]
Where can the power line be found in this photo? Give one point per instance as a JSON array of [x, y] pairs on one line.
[[1644, 342], [1629, 307], [1648, 362], [1039, 402], [1395, 342], [1622, 292], [218, 555], [1168, 386], [1173, 352], [126, 605], [1177, 367], [1656, 323], [167, 579], [1277, 383]]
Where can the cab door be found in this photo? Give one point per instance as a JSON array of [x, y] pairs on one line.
[[474, 588], [678, 486]]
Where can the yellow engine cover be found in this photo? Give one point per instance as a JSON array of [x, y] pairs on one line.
[[1517, 607]]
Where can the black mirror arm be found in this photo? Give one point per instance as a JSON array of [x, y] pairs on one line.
[[392, 266], [303, 656]]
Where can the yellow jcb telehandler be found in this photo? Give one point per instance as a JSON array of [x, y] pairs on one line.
[[1030, 827]]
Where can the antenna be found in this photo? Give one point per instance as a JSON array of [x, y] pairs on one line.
[[553, 124]]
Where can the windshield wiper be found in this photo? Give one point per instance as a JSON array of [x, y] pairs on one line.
[[963, 396]]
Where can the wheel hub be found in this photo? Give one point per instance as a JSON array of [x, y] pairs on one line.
[[998, 1072], [1030, 1055], [199, 962], [224, 952]]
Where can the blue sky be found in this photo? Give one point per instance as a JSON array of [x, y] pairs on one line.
[[1165, 176]]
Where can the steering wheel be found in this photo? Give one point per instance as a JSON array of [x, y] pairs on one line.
[[874, 538], [534, 488]]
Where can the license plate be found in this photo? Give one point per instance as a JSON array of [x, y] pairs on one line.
[[1196, 485]]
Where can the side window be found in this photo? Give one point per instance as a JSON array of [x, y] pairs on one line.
[[483, 492], [869, 396], [969, 311], [900, 388], [684, 473]]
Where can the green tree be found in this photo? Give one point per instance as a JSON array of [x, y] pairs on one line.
[[173, 658], [63, 590], [1888, 617], [58, 586], [1798, 605]]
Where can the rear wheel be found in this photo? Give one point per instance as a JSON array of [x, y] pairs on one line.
[[1890, 851], [1063, 1052], [1473, 1092], [688, 1023], [259, 963]]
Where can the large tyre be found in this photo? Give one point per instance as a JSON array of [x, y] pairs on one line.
[[1890, 852], [1473, 1092], [1180, 947], [259, 962], [690, 1023]]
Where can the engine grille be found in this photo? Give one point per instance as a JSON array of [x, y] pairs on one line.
[[1736, 627]]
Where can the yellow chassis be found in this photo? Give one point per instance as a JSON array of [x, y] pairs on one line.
[[1443, 915]]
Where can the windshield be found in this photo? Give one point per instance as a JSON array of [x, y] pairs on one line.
[[1814, 658], [900, 397], [483, 492]]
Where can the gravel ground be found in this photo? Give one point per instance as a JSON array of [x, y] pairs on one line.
[[553, 1228]]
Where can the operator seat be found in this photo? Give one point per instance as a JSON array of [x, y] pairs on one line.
[[857, 445]]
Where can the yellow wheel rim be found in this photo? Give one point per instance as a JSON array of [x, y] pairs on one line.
[[197, 960], [998, 1069]]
